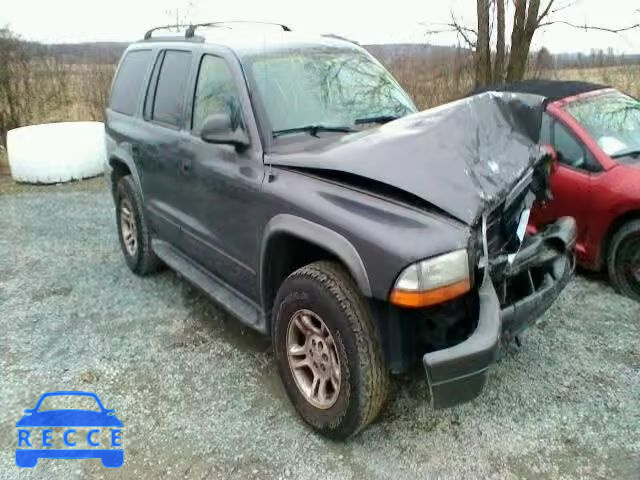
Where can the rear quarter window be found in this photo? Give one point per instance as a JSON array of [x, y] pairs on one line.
[[129, 82]]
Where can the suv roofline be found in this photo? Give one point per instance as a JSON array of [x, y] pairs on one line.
[[282, 37]]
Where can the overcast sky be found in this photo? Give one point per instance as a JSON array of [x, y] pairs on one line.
[[367, 21]]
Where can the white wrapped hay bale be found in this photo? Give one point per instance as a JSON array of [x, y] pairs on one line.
[[56, 152]]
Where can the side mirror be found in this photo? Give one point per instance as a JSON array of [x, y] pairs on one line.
[[28, 410], [217, 129]]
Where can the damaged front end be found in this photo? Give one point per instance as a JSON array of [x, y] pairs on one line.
[[528, 282], [477, 164], [519, 276], [527, 271]]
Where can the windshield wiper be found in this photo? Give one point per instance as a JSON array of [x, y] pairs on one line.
[[313, 130], [630, 153], [378, 119]]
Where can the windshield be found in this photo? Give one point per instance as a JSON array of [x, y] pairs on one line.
[[613, 120], [326, 86]]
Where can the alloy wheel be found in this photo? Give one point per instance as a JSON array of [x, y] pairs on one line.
[[313, 359], [128, 227]]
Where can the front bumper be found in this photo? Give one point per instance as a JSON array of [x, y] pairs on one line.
[[458, 374]]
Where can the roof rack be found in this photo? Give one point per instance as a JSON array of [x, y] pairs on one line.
[[191, 28], [147, 34]]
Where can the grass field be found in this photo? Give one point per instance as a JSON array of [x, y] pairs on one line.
[[57, 92], [626, 78], [432, 87], [51, 91], [4, 162]]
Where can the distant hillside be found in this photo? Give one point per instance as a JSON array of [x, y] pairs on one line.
[[599, 58], [94, 52], [110, 52], [389, 52]]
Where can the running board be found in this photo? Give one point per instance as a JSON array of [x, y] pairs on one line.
[[231, 300]]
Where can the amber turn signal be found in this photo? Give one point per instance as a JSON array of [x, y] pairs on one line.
[[413, 299]]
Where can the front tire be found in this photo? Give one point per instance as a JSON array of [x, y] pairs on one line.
[[623, 260], [133, 231], [328, 350]]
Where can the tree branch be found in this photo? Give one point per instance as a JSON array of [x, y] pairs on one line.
[[545, 12], [591, 27], [549, 11], [454, 26]]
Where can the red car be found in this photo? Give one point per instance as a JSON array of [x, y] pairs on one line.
[[595, 131]]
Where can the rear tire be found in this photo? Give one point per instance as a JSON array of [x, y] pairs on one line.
[[340, 329], [133, 232], [623, 260]]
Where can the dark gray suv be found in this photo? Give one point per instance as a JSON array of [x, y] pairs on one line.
[[291, 179]]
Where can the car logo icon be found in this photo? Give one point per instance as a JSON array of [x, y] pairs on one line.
[[100, 421]]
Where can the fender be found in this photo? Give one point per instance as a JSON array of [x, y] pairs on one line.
[[321, 236], [126, 159]]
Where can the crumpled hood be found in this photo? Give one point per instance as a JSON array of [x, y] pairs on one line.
[[462, 157]]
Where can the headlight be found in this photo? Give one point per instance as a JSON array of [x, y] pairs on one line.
[[433, 281]]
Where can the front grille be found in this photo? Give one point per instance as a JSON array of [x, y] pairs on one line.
[[502, 225], [495, 237]]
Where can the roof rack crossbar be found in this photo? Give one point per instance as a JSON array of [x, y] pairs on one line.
[[148, 33], [191, 29]]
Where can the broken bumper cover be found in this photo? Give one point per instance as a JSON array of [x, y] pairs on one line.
[[459, 373]]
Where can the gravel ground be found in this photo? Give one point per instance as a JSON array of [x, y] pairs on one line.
[[199, 395]]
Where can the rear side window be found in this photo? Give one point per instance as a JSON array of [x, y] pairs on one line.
[[170, 90], [128, 85]]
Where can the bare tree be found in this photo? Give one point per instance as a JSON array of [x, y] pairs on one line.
[[528, 17], [498, 66], [13, 63], [483, 49], [525, 23]]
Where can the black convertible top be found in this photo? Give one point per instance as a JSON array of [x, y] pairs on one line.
[[552, 90]]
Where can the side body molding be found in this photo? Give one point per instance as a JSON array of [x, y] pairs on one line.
[[321, 236]]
